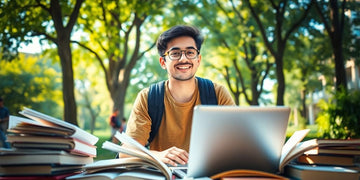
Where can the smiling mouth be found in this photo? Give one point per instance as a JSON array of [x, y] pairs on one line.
[[184, 66]]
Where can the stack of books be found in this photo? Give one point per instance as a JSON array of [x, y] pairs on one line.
[[326, 159], [45, 147]]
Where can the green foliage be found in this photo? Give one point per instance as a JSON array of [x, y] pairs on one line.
[[30, 82], [104, 26], [340, 117]]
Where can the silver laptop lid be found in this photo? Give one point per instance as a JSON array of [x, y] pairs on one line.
[[232, 137]]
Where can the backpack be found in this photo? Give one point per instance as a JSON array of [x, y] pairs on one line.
[[156, 101], [114, 122]]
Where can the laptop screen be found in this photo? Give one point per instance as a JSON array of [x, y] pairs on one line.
[[231, 137]]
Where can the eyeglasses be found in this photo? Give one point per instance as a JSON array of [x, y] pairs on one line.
[[176, 54]]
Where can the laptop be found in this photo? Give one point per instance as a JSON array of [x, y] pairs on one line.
[[231, 137]]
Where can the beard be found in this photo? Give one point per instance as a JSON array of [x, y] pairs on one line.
[[181, 76]]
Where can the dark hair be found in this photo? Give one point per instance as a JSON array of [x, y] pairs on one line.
[[1, 99], [178, 31]]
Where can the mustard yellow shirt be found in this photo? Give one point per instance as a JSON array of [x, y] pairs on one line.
[[176, 123]]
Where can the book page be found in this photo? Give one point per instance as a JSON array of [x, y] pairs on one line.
[[138, 154], [15, 120], [132, 152], [19, 125], [123, 138], [299, 149], [290, 145]]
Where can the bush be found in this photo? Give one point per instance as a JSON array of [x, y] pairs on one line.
[[340, 117]]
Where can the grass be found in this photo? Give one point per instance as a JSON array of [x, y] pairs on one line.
[[103, 153]]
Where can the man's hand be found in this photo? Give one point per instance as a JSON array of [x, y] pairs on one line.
[[172, 156]]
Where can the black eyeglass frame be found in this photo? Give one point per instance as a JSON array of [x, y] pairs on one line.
[[181, 51]]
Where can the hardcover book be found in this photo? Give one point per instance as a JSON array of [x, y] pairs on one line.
[[35, 156], [47, 120], [72, 145]]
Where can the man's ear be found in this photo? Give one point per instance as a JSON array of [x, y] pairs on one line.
[[162, 62]]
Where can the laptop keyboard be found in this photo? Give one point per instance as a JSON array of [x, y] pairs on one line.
[[179, 171]]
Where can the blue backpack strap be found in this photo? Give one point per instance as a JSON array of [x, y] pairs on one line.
[[156, 101], [207, 91], [156, 107]]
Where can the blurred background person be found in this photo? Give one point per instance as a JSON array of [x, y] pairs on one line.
[[4, 122], [115, 125]]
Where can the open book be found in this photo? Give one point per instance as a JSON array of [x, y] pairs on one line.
[[45, 120], [142, 155]]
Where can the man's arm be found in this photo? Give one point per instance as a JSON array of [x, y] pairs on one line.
[[223, 95], [139, 126]]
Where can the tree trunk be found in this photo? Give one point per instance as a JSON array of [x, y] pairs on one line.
[[303, 103], [280, 77], [64, 52], [334, 25], [340, 74], [336, 41], [63, 43], [118, 98]]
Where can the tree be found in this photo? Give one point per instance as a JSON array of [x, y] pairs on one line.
[[231, 46], [245, 45], [115, 30], [308, 56], [86, 101], [276, 24], [332, 16], [53, 21]]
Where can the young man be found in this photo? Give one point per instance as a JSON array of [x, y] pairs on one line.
[[179, 50]]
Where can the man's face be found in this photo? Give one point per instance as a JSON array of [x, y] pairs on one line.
[[184, 68]]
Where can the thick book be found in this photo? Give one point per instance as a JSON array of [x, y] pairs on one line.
[[29, 156], [140, 153], [76, 132], [124, 168], [38, 170], [72, 145], [320, 172], [329, 159], [339, 150]]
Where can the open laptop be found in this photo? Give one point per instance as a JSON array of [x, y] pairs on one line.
[[231, 137]]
